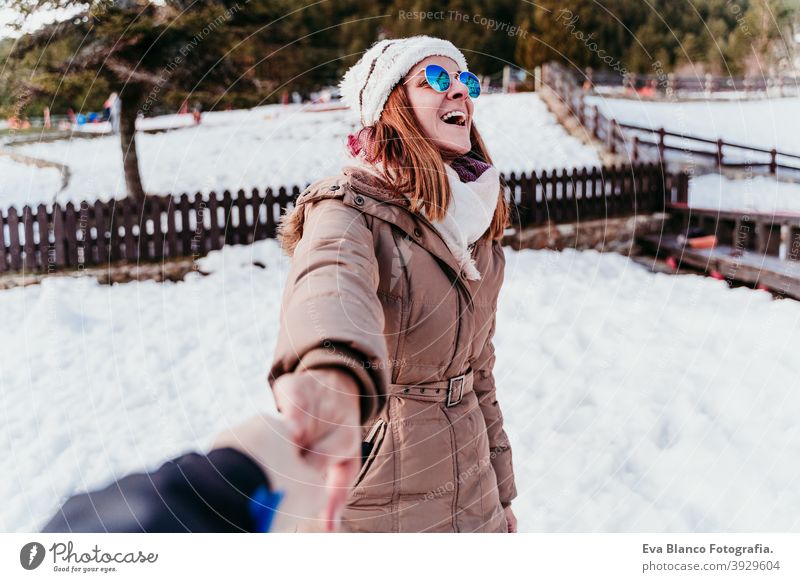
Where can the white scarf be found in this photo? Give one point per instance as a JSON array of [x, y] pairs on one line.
[[470, 213]]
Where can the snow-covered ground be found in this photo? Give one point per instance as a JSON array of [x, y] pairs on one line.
[[768, 123], [757, 193], [273, 146], [634, 401], [17, 178]]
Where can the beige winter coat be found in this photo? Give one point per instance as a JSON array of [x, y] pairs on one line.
[[373, 288]]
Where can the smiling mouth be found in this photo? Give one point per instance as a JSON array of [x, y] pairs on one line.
[[455, 118]]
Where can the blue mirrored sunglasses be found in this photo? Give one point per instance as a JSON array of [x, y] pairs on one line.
[[439, 79]]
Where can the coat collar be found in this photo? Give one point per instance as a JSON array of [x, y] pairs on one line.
[[374, 196]]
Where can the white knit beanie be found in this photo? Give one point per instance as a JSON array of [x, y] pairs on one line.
[[365, 87]]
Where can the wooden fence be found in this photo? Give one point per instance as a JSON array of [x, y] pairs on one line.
[[634, 139], [51, 237]]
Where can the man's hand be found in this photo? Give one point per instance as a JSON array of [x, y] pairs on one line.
[[266, 440], [321, 408]]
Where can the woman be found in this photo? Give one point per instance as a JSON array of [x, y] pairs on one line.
[[389, 308]]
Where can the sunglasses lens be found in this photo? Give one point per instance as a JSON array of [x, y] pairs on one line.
[[472, 83], [438, 78]]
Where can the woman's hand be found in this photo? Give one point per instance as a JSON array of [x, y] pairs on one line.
[[321, 408], [511, 519], [266, 440]]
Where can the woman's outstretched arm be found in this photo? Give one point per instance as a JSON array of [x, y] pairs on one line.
[[329, 369], [331, 315]]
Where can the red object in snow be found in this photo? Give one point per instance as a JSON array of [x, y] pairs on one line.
[[703, 242], [672, 263], [717, 275]]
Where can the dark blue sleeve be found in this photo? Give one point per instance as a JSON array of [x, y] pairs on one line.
[[218, 492]]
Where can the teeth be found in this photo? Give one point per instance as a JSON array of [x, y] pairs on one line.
[[451, 114]]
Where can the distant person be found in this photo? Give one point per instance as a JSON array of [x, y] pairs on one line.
[[116, 109], [107, 109], [253, 480], [197, 113]]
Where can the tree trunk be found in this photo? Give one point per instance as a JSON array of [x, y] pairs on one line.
[[130, 96]]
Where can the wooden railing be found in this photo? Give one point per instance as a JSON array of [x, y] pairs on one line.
[[74, 236], [706, 84], [644, 143]]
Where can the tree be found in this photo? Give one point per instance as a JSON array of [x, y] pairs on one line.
[[139, 48]]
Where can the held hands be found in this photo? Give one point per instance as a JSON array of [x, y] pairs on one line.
[[266, 440], [321, 408]]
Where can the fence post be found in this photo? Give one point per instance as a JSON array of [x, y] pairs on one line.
[[661, 147], [773, 162], [28, 247], [3, 265], [683, 188], [720, 143], [635, 148], [613, 135]]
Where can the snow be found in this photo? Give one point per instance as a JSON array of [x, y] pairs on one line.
[[273, 146], [40, 17], [634, 401], [767, 123], [17, 180], [756, 193]]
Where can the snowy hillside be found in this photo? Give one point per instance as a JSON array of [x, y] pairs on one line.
[[270, 146], [758, 193], [768, 123], [634, 401]]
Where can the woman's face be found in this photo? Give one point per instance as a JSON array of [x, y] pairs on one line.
[[429, 106]]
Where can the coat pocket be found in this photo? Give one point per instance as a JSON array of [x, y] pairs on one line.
[[369, 448]]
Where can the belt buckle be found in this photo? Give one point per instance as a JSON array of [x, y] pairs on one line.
[[458, 383]]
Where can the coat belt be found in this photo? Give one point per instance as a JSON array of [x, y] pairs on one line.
[[449, 391]]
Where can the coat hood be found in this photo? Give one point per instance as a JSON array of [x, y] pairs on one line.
[[357, 178]]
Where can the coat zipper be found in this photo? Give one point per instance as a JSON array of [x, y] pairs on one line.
[[457, 274]]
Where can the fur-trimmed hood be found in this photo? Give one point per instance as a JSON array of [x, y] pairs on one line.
[[354, 177]]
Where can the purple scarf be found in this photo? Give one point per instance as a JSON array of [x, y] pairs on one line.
[[469, 168]]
